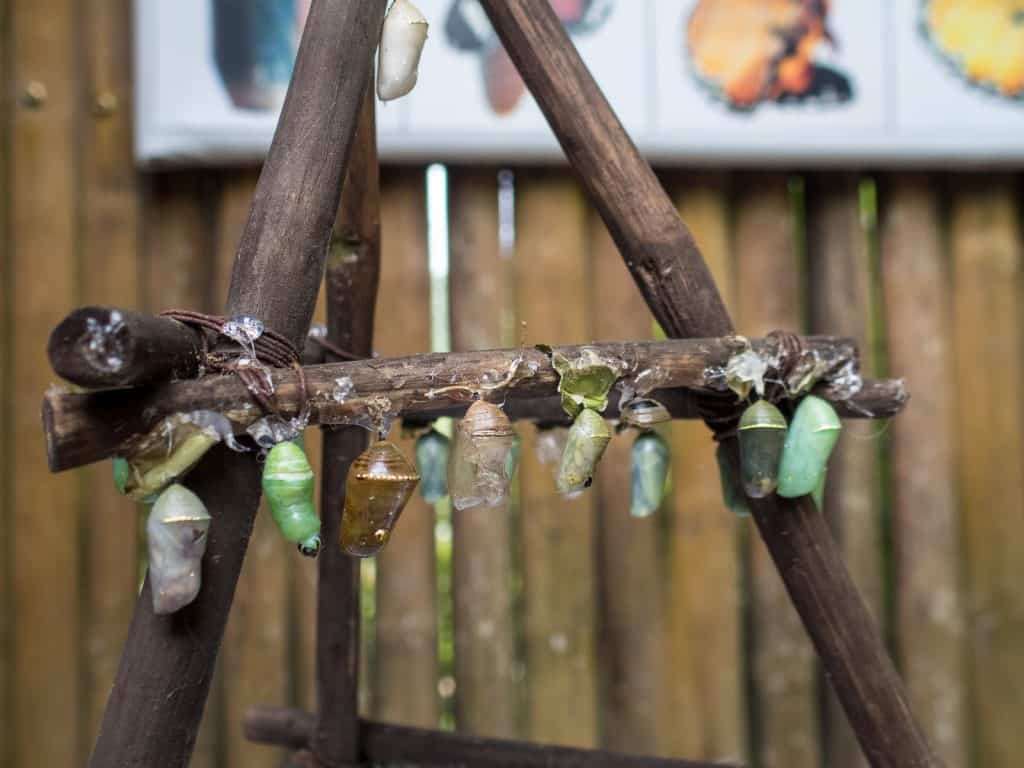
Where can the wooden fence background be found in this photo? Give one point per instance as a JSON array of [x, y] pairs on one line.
[[550, 620]]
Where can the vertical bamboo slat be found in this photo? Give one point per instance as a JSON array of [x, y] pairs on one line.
[[407, 662], [705, 651], [839, 263], [558, 535], [987, 248], [485, 694], [785, 732], [929, 601], [255, 665], [178, 264], [46, 512], [108, 238], [630, 563], [7, 603]]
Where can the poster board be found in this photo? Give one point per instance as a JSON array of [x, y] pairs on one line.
[[894, 82]]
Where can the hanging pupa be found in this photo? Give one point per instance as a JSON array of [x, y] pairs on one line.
[[761, 434], [482, 462], [588, 438], [432, 450], [401, 44], [121, 474], [650, 462], [728, 475], [176, 534], [288, 486], [809, 442], [380, 482]]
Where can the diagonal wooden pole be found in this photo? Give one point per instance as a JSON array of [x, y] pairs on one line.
[[353, 268], [160, 689], [669, 270]]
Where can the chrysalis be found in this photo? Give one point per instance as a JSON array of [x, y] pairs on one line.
[[812, 436], [761, 434], [380, 482], [650, 461], [732, 494], [121, 474], [482, 463], [176, 531], [432, 449], [588, 438], [401, 43], [288, 486]]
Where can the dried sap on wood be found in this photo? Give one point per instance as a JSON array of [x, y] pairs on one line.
[[482, 462], [380, 482], [288, 485], [176, 531], [812, 435], [761, 434]]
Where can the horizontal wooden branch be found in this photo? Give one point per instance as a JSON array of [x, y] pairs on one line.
[[82, 427], [384, 743]]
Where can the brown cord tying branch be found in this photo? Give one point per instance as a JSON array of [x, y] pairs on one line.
[[270, 348], [334, 349]]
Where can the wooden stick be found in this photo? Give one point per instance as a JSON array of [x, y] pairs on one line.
[[82, 427], [681, 294], [165, 671], [353, 269], [385, 743]]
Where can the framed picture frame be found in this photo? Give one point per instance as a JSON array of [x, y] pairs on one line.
[[839, 82]]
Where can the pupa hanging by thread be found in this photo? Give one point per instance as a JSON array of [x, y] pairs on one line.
[[380, 482], [482, 463], [288, 486], [649, 465], [761, 434], [432, 453], [401, 43], [176, 534], [812, 436], [588, 438]]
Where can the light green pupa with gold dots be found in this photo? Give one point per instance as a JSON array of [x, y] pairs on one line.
[[812, 436], [288, 486]]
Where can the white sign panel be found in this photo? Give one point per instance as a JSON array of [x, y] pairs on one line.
[[760, 81]]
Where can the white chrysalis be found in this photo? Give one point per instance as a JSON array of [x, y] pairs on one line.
[[401, 43], [177, 529]]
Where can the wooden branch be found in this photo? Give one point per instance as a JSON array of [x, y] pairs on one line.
[[82, 427], [98, 347], [163, 680], [353, 268], [397, 744], [107, 347], [666, 264]]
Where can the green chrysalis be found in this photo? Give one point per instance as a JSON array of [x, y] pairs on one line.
[[650, 462], [761, 434], [588, 438], [432, 450], [288, 485], [812, 436], [732, 494]]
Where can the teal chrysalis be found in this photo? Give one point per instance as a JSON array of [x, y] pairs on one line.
[[649, 461], [761, 434], [288, 486], [432, 451], [728, 475], [809, 442]]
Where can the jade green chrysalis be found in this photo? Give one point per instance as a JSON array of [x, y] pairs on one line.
[[587, 440], [288, 485], [649, 461], [809, 442], [761, 434], [121, 474], [432, 450], [732, 494]]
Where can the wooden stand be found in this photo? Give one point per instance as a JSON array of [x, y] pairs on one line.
[[161, 686]]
